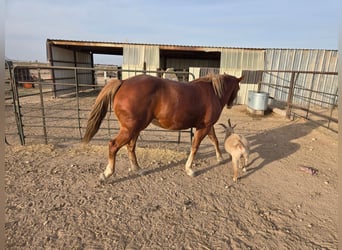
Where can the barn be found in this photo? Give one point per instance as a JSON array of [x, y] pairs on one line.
[[269, 69]]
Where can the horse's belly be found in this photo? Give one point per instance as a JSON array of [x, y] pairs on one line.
[[172, 125], [156, 122]]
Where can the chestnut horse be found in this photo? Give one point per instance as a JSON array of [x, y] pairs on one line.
[[142, 99]]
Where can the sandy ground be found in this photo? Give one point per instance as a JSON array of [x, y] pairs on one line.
[[55, 201]]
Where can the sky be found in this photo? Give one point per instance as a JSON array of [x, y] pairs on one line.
[[308, 24]]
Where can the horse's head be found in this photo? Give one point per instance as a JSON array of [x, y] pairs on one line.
[[225, 87], [232, 85]]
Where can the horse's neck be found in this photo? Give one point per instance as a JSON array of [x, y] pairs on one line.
[[224, 100]]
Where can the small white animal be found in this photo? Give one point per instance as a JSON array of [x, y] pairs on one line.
[[238, 147]]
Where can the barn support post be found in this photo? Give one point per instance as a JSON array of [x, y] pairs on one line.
[[53, 75]]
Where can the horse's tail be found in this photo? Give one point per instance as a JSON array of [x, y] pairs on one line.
[[100, 108]]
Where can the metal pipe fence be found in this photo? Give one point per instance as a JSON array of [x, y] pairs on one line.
[[54, 111], [317, 105], [40, 116]]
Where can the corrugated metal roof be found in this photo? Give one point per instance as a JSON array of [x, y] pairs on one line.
[[166, 50], [62, 42], [94, 44]]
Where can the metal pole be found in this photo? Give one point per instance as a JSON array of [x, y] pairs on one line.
[[144, 68], [332, 107], [16, 105], [310, 96], [78, 103], [290, 96], [42, 106]]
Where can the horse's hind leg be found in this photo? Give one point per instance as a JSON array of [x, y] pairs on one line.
[[114, 145], [213, 138], [199, 135], [131, 154]]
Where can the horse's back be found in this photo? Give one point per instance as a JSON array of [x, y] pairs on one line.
[[151, 82], [167, 91], [170, 104]]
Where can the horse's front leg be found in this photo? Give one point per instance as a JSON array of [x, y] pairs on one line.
[[198, 137], [213, 138]]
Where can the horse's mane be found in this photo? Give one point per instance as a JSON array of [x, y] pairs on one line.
[[216, 80]]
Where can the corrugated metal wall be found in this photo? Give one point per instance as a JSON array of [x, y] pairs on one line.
[[203, 71], [69, 58], [179, 63], [236, 60], [84, 60], [62, 57], [134, 57], [302, 60], [318, 89]]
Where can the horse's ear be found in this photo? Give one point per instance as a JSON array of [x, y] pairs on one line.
[[241, 78]]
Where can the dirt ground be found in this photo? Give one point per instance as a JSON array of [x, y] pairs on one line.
[[55, 201]]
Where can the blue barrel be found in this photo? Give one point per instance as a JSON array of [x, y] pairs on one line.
[[257, 100]]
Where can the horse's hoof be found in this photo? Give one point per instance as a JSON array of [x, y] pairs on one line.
[[220, 160], [191, 173], [134, 169], [102, 178]]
